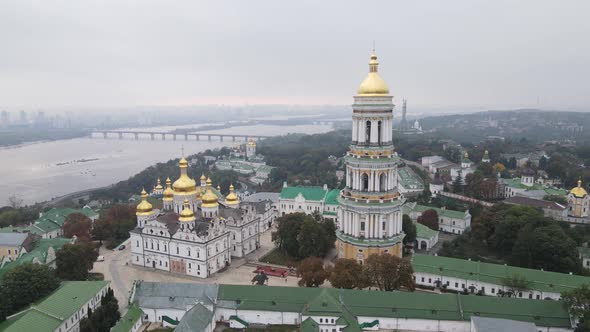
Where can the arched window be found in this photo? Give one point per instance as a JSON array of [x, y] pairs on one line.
[[368, 132], [365, 182], [379, 132], [382, 182]]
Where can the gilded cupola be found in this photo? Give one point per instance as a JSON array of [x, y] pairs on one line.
[[184, 184], [144, 208], [186, 215], [373, 84]]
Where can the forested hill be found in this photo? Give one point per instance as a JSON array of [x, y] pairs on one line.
[[534, 125]]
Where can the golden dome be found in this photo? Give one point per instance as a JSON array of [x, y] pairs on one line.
[[144, 208], [219, 188], [159, 185], [184, 184], [203, 177], [251, 142], [168, 192], [209, 199], [373, 84], [186, 215], [231, 198], [209, 182], [579, 191]]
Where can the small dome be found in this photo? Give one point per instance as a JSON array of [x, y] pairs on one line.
[[209, 199], [251, 142], [159, 185], [203, 177], [168, 192], [578, 191], [186, 215], [373, 84], [232, 198], [144, 208]]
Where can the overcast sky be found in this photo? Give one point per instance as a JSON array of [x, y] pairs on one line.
[[59, 54]]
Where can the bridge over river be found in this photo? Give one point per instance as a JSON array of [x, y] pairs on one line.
[[162, 135]]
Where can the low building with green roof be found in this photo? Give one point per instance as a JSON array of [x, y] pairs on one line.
[[61, 311], [409, 183], [305, 199], [131, 321], [426, 238], [450, 221], [49, 224], [43, 252], [327, 309], [490, 279], [526, 187]]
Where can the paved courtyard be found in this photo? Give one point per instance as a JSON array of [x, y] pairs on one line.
[[117, 268]]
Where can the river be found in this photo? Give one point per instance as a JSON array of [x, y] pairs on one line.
[[41, 171]]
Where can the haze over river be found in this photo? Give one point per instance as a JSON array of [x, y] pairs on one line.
[[41, 171]]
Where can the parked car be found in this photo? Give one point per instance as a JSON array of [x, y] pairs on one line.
[[100, 259], [122, 247]]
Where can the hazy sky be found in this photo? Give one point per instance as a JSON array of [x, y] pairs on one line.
[[469, 53]]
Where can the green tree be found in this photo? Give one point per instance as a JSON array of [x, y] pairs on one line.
[[409, 228], [515, 284], [104, 317], [288, 227], [75, 260], [388, 272], [577, 301], [312, 273], [77, 224], [348, 273], [457, 185], [429, 218], [26, 284]]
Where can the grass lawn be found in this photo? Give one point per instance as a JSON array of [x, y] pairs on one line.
[[277, 257]]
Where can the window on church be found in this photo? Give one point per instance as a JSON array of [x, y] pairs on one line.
[[362, 225]]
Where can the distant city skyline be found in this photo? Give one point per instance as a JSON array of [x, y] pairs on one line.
[[459, 55]]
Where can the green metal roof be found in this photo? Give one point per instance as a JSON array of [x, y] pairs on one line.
[[332, 197], [516, 183], [544, 281], [309, 193], [196, 319], [441, 212], [62, 303], [409, 179], [126, 322], [415, 305], [424, 232], [39, 251]]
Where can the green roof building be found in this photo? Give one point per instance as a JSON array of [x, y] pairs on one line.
[[131, 321], [450, 221], [317, 309], [309, 200], [490, 279], [60, 311], [43, 252]]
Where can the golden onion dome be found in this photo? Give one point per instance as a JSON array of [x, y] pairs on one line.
[[209, 199], [373, 84], [209, 182], [168, 192], [144, 208], [203, 177], [579, 191], [159, 185], [232, 198], [186, 215], [219, 188], [251, 142], [184, 184]]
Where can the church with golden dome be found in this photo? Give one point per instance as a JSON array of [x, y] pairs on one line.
[[197, 231], [578, 202]]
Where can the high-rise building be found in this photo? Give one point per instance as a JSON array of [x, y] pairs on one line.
[[370, 216], [403, 126]]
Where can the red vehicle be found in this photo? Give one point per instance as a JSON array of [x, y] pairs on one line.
[[272, 271]]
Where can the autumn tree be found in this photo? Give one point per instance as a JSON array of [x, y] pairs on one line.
[[114, 226], [429, 218], [75, 260], [312, 273], [348, 273], [77, 224], [388, 272]]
